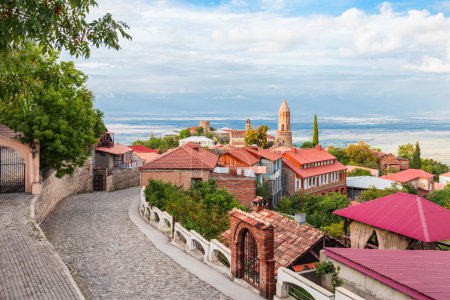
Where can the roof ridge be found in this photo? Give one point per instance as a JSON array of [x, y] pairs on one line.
[[423, 219], [191, 154]]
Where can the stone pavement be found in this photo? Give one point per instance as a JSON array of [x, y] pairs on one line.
[[110, 258], [29, 266]]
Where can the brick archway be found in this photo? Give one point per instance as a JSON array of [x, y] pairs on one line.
[[30, 159], [240, 224]]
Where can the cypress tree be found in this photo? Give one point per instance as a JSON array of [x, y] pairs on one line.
[[416, 162], [315, 132]]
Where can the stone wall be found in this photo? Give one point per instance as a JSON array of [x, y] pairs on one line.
[[288, 180], [55, 189], [177, 177], [122, 179], [243, 188]]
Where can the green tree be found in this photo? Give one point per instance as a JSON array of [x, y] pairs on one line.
[[359, 172], [406, 151], [185, 133], [373, 193], [416, 162], [61, 24], [257, 136], [340, 154], [441, 197], [307, 144], [167, 143], [199, 131], [57, 110], [434, 167], [315, 140], [361, 155]]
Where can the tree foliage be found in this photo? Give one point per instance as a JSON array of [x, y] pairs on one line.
[[162, 144], [406, 151], [307, 144], [61, 24], [56, 108], [318, 208], [340, 154], [374, 193], [257, 136], [434, 167], [203, 208], [441, 197], [185, 133], [361, 154], [315, 139], [416, 162], [359, 172]]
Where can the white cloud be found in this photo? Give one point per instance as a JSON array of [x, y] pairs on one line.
[[217, 51]]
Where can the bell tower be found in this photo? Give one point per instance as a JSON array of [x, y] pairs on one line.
[[248, 125], [284, 133]]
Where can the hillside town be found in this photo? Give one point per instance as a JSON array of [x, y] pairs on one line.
[[200, 210]]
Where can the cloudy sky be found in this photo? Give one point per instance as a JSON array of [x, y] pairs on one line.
[[226, 56]]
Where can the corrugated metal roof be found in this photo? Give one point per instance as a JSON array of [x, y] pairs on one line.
[[365, 182], [421, 274], [405, 214]]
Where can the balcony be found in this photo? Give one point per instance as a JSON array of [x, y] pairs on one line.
[[316, 189]]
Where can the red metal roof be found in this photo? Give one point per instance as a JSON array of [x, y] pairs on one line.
[[189, 156], [264, 153], [143, 149], [314, 171], [407, 175], [291, 240], [243, 156], [117, 149], [421, 274], [405, 214], [309, 155]]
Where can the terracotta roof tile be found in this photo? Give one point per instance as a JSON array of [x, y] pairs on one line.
[[189, 156], [314, 171], [264, 153], [407, 175], [142, 149], [309, 155], [116, 149]]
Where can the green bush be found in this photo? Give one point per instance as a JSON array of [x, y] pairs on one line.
[[203, 208]]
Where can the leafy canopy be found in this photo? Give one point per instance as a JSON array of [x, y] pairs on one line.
[[58, 24], [361, 154], [416, 162], [257, 136], [57, 109], [340, 154]]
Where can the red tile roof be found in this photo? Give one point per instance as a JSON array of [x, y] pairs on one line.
[[243, 156], [405, 214], [264, 153], [420, 274], [407, 175], [147, 157], [313, 171], [189, 156], [445, 174], [309, 155], [142, 149], [281, 149], [117, 149], [291, 239]]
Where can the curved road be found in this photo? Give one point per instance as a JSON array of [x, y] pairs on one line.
[[110, 258]]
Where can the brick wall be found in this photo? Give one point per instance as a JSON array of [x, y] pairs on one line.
[[243, 188], [178, 177], [55, 189], [122, 179], [288, 180]]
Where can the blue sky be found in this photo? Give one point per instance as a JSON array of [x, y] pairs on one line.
[[331, 57]]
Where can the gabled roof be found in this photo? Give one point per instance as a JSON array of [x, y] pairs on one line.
[[407, 175], [309, 155], [142, 149], [189, 156], [243, 156], [405, 214], [291, 240], [313, 171], [365, 182], [264, 153], [421, 274], [116, 149], [445, 175]]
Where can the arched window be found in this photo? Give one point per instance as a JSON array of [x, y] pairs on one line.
[[250, 259], [282, 127]]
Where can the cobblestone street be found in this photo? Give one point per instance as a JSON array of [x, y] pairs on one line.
[[29, 266], [110, 258]]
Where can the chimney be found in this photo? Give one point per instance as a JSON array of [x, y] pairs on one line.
[[318, 147], [300, 218], [259, 204]]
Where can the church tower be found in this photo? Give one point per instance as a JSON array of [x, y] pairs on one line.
[[284, 133], [248, 125]]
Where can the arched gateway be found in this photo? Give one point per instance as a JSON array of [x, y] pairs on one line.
[[19, 164]]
